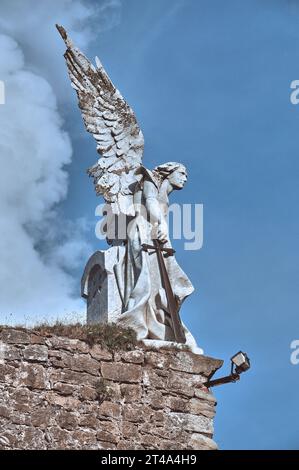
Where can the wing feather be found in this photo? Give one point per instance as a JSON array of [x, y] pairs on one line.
[[110, 120]]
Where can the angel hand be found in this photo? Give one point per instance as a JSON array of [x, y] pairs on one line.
[[162, 233]]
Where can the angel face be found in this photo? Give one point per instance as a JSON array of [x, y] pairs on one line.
[[178, 178]]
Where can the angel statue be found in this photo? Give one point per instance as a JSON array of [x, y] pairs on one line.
[[137, 282]]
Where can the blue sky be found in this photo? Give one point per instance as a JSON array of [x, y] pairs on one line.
[[210, 84]]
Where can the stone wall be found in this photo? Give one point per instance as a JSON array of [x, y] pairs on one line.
[[61, 393]]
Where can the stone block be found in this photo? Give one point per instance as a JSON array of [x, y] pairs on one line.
[[129, 430], [121, 372], [108, 408], [67, 420], [201, 442], [65, 389], [14, 336], [69, 403], [131, 393], [199, 407], [191, 422], [89, 421], [41, 418], [36, 353], [136, 357], [31, 375], [97, 352]]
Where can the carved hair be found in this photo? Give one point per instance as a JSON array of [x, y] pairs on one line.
[[161, 172]]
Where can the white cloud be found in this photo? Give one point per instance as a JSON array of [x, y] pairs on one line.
[[37, 249], [32, 24]]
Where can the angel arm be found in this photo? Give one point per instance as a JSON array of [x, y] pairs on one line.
[[154, 210]]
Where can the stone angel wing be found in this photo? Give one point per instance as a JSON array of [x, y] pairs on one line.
[[112, 123]]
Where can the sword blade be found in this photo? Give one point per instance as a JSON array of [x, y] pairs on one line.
[[179, 333]]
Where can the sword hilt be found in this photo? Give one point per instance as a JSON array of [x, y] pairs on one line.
[[167, 251]]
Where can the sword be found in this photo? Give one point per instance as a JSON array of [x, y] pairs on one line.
[[178, 330]]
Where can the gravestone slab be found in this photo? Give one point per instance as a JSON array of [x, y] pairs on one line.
[[99, 287]]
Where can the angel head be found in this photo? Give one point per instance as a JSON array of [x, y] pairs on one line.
[[174, 172]]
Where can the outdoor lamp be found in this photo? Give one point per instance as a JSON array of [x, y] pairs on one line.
[[240, 363]]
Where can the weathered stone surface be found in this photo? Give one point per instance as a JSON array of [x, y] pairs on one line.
[[65, 389], [204, 394], [23, 419], [97, 352], [199, 441], [32, 375], [32, 438], [114, 391], [84, 363], [72, 345], [59, 438], [199, 407], [7, 373], [10, 336], [158, 417], [155, 399], [155, 379], [177, 404], [12, 353], [84, 438], [69, 403], [107, 437], [73, 377], [121, 372], [51, 392], [131, 393], [76, 362], [149, 441], [111, 427], [129, 430], [191, 422], [36, 338], [9, 439], [157, 360], [87, 393], [41, 418], [67, 420], [21, 399], [135, 413], [36, 352], [89, 421], [5, 441], [185, 361], [174, 434], [129, 445], [183, 383], [107, 408], [105, 445], [4, 411], [136, 357]]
